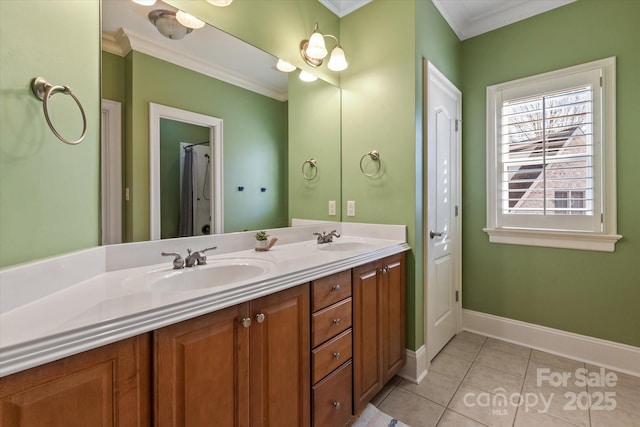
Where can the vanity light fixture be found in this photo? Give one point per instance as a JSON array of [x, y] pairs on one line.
[[145, 2], [314, 50], [284, 66], [167, 24], [220, 3], [306, 76], [188, 20]]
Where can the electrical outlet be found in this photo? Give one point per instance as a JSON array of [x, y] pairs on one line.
[[351, 208], [332, 207]]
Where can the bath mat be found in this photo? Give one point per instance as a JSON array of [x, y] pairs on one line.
[[373, 417]]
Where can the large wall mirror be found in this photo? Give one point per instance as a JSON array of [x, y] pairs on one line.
[[264, 124]]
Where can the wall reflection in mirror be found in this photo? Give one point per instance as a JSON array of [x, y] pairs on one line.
[[211, 73]]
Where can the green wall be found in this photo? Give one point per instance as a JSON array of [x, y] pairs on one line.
[[112, 77], [49, 191], [254, 143], [172, 133], [382, 110], [590, 293], [314, 132]]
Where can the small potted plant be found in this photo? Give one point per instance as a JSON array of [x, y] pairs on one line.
[[262, 241]]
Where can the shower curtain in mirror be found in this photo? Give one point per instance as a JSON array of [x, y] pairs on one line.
[[185, 229]]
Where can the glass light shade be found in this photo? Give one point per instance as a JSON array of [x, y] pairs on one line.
[[220, 3], [306, 76], [145, 2], [284, 66], [338, 61], [171, 28], [316, 48], [188, 20]]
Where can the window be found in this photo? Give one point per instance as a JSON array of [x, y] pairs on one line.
[[551, 159]]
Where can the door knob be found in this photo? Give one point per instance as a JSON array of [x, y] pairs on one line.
[[246, 322], [433, 234], [260, 317]]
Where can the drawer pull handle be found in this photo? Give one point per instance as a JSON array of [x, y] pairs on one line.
[[246, 322], [335, 288], [336, 321], [337, 405], [336, 355], [260, 317]]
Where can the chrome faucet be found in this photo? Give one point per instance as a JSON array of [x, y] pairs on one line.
[[198, 257], [326, 238], [178, 262]]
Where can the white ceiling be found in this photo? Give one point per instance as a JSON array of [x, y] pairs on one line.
[[343, 7], [469, 18]]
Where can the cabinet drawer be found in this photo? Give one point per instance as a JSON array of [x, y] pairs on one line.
[[330, 289], [330, 355], [327, 323], [332, 398]]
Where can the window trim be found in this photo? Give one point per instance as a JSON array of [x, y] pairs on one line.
[[603, 240]]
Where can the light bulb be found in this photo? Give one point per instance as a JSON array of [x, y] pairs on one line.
[[337, 62], [316, 48], [220, 3], [188, 20], [306, 76], [145, 2], [284, 66]]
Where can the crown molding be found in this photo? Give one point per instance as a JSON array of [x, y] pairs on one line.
[[343, 7], [125, 41], [493, 16]]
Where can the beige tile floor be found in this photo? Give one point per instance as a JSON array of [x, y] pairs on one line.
[[480, 381]]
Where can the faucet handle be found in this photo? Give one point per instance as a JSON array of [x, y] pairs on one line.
[[178, 262], [202, 259]]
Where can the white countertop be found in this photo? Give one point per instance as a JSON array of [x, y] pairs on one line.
[[104, 305]]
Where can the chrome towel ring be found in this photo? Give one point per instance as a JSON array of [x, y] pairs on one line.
[[375, 155], [313, 167], [44, 90]]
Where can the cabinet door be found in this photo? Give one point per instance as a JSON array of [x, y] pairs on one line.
[[201, 371], [367, 355], [280, 373], [107, 386], [393, 317]]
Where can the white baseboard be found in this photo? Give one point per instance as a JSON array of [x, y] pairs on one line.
[[416, 367], [616, 356]]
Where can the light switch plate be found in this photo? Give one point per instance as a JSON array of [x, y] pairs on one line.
[[351, 208], [332, 207]]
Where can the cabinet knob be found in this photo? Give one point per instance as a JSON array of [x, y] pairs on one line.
[[337, 405], [336, 321], [246, 322], [260, 317], [336, 355], [335, 288]]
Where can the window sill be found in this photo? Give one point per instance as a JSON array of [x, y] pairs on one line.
[[554, 239]]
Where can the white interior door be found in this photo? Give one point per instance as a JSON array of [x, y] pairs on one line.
[[111, 170], [442, 239]]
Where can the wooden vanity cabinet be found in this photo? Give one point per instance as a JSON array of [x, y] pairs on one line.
[[214, 370], [106, 386], [379, 326], [331, 334]]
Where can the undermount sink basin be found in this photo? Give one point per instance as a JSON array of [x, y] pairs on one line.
[[214, 273], [344, 246]]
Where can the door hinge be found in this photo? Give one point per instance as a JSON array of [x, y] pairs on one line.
[[456, 210], [600, 81], [457, 296], [457, 124], [601, 218]]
